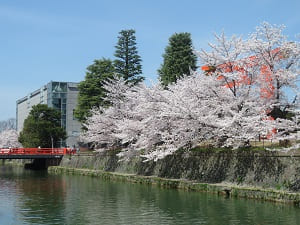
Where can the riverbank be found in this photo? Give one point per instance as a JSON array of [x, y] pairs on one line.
[[226, 189], [264, 175], [264, 169]]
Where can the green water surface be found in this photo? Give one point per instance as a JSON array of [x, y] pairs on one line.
[[30, 197]]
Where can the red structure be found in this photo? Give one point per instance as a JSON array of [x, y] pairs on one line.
[[40, 158], [35, 152], [267, 90]]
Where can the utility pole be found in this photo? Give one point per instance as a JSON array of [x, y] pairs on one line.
[[51, 141]]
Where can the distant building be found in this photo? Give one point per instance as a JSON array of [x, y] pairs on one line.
[[58, 95]]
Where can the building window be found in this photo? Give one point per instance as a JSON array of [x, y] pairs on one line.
[[73, 89], [63, 123], [74, 117], [75, 133], [59, 87]]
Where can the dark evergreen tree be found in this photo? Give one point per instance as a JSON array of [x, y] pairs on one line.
[[42, 128], [128, 62], [91, 91], [179, 59]]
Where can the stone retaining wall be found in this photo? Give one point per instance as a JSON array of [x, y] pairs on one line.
[[264, 169]]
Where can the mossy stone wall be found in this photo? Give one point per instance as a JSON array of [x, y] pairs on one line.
[[243, 167]]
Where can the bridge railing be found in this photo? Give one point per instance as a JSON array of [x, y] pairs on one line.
[[36, 151]]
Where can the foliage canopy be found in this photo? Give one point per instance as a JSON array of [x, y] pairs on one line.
[[91, 91], [42, 127], [179, 59], [128, 62], [227, 107]]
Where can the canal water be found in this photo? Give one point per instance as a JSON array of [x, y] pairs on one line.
[[28, 197]]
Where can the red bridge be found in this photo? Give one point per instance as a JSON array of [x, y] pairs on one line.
[[39, 158], [34, 153]]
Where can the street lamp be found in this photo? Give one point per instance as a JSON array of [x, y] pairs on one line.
[[51, 141], [297, 112]]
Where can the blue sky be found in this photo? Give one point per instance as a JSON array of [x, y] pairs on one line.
[[56, 40]]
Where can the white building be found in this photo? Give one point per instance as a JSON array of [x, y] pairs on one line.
[[58, 95]]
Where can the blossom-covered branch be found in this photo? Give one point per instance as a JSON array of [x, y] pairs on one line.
[[228, 105]]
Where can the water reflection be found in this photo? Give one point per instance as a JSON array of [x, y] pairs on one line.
[[36, 198], [40, 198]]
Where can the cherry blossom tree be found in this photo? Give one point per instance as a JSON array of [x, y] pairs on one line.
[[9, 138], [267, 62], [227, 105], [280, 60]]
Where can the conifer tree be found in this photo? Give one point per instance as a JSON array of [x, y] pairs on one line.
[[128, 62], [179, 59], [91, 92]]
